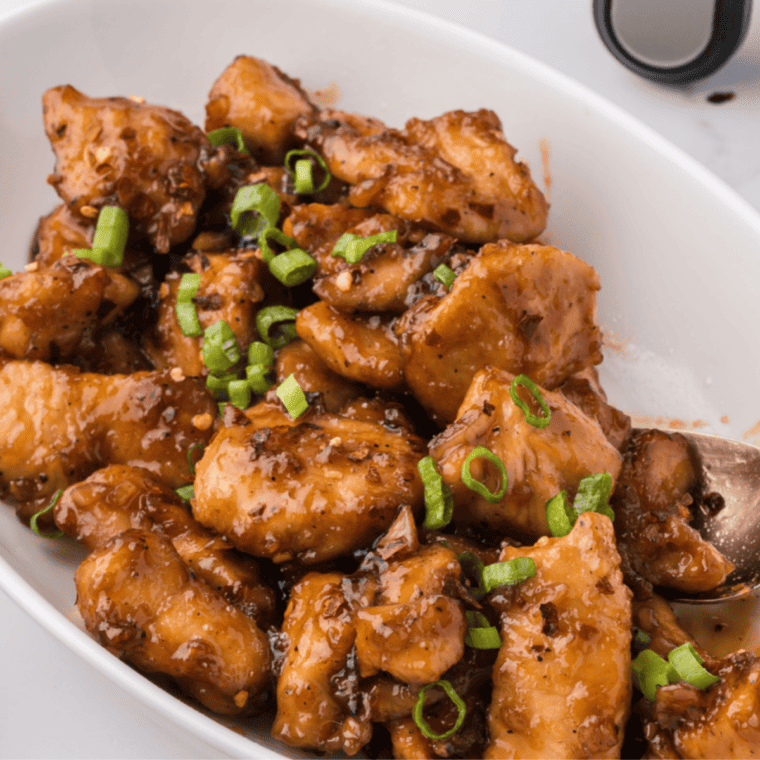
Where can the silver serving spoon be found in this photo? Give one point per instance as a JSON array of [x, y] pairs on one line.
[[731, 469]]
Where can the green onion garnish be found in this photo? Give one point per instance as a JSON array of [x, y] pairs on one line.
[[190, 455], [508, 573], [536, 421], [650, 671], [272, 315], [439, 503], [36, 516], [279, 237], [477, 486], [594, 495], [559, 515], [229, 136], [220, 347], [187, 316], [260, 199], [444, 274], [260, 353], [303, 179], [473, 568], [292, 396], [219, 385], [98, 256], [453, 696], [352, 247], [293, 267], [688, 665], [240, 393], [480, 633], [641, 639], [186, 492], [4, 272], [256, 377], [111, 234]]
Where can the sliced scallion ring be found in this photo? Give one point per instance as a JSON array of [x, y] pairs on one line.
[[186, 492], [255, 208], [260, 353], [559, 515], [5, 272], [229, 136], [444, 274], [508, 573], [292, 396], [439, 503], [688, 665], [111, 233], [303, 171], [36, 516], [476, 485], [594, 495], [220, 347], [535, 420], [352, 247], [272, 315], [187, 315], [190, 455], [480, 633], [256, 377], [420, 705]]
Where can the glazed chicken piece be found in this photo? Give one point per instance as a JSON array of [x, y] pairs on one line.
[[58, 233], [338, 627], [720, 721], [656, 487], [46, 313], [474, 188], [383, 279], [361, 348], [262, 102], [313, 375], [313, 225], [583, 390], [118, 498], [540, 462], [527, 309], [562, 679], [314, 488], [116, 151], [60, 425], [141, 602], [232, 288]]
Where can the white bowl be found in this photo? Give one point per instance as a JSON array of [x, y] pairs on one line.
[[678, 253]]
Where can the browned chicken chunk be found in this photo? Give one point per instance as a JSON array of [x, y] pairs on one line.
[[58, 233], [540, 462], [473, 187], [61, 425], [141, 602], [46, 313], [527, 309], [562, 681], [312, 489], [358, 347], [657, 485], [231, 288], [262, 102], [115, 151], [118, 498]]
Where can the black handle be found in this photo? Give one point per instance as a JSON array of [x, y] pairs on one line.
[[729, 28]]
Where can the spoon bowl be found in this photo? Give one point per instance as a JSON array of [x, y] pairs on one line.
[[732, 470]]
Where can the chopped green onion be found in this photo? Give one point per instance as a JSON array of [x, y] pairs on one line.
[[477, 486], [293, 267], [536, 421], [4, 272], [439, 503], [272, 315], [36, 516], [190, 455], [219, 385], [240, 393], [229, 136], [419, 706], [220, 347], [688, 665], [256, 377], [559, 515], [188, 287], [260, 353], [186, 492], [111, 234], [650, 671], [187, 317], [445, 275], [221, 405], [594, 495], [260, 199], [480, 633], [292, 396], [641, 639], [279, 237], [473, 568], [303, 175], [98, 256], [352, 247], [508, 573]]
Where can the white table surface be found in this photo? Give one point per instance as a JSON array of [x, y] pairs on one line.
[[78, 713]]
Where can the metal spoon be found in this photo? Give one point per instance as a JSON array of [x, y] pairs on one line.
[[731, 469]]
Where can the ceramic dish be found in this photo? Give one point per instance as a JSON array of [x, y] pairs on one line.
[[677, 252]]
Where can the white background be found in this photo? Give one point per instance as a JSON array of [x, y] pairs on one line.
[[52, 704]]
